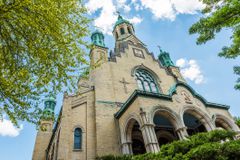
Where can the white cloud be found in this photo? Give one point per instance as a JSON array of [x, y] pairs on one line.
[[187, 6], [191, 70], [161, 9], [181, 62], [135, 20], [137, 6], [122, 4], [8, 129], [107, 16], [169, 9]]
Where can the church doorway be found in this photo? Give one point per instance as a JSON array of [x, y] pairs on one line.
[[193, 124], [164, 128], [134, 135]]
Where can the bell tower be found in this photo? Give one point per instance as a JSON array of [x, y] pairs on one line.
[[47, 118], [122, 28], [45, 130], [98, 53]]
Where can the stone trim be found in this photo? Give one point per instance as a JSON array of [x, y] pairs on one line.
[[138, 93], [173, 90]]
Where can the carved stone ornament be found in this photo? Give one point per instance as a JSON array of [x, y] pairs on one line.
[[186, 97], [177, 99]]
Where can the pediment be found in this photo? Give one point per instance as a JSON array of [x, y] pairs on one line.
[[136, 96], [186, 94]]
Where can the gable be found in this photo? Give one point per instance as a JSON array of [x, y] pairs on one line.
[[189, 91]]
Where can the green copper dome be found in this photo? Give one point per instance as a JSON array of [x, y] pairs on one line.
[[49, 106], [97, 38], [120, 21], [165, 59]]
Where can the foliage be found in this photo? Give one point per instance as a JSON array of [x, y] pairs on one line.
[[237, 121], [112, 157], [41, 51], [202, 146], [220, 14]]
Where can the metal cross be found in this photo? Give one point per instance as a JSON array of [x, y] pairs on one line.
[[159, 48], [124, 82]]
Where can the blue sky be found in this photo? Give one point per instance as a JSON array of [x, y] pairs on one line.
[[157, 22]]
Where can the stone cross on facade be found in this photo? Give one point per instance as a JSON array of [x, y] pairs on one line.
[[124, 82]]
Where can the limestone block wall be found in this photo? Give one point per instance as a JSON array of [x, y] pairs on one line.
[[77, 112], [41, 143]]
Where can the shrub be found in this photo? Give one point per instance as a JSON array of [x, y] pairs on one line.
[[204, 146]]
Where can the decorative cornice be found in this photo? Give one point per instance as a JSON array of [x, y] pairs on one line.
[[172, 91], [139, 93]]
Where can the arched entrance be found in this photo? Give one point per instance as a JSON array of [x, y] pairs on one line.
[[134, 135], [196, 120], [165, 126], [193, 124]]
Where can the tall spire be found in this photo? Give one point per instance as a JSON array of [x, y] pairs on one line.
[[164, 58]]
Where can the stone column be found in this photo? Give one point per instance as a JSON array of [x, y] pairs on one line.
[[182, 133], [208, 125], [149, 135], [127, 148]]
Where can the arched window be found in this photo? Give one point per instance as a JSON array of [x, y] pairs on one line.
[[122, 31], [129, 30], [78, 138], [145, 81]]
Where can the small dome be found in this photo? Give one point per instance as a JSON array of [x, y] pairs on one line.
[[120, 21], [96, 32], [97, 38]]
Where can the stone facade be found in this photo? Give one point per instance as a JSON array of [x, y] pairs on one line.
[[117, 115]]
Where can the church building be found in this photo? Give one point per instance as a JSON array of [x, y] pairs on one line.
[[131, 103]]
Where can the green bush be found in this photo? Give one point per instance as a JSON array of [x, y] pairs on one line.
[[112, 157], [202, 146]]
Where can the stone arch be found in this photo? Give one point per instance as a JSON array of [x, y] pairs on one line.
[[78, 126], [225, 123], [129, 122], [78, 137], [134, 141], [142, 66], [172, 115], [132, 116], [153, 74], [203, 119], [166, 123]]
